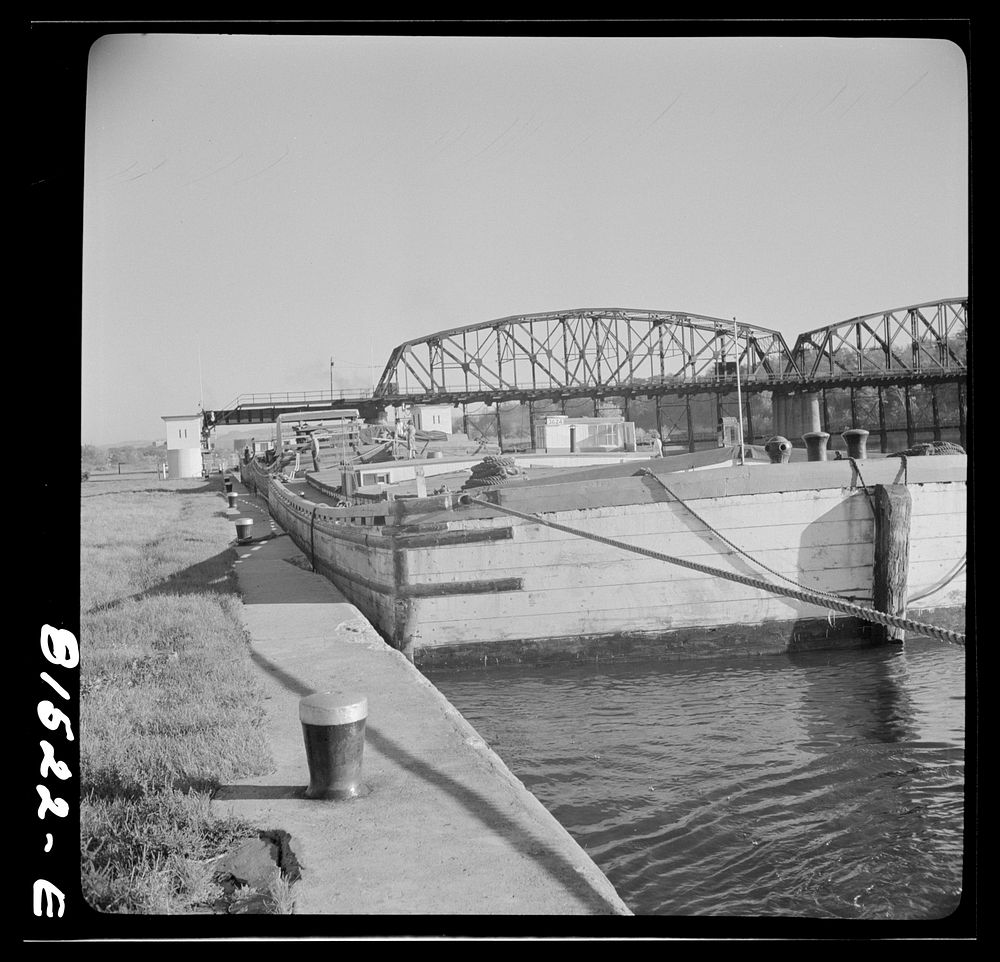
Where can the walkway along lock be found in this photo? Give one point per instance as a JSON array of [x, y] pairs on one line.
[[244, 530], [333, 726]]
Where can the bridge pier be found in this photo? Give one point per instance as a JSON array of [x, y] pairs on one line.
[[910, 432], [811, 421], [779, 414], [882, 436], [793, 417]]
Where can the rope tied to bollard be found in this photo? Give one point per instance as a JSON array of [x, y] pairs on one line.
[[735, 547], [806, 595]]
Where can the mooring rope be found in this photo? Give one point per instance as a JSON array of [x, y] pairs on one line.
[[646, 472], [947, 581], [808, 596], [918, 597]]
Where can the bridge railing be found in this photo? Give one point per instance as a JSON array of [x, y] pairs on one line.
[[800, 381], [817, 381], [295, 397]]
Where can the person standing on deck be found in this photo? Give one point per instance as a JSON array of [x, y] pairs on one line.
[[657, 445]]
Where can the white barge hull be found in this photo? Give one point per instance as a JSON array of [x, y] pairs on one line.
[[453, 585]]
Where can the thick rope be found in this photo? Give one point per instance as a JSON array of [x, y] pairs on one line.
[[925, 594], [735, 547], [947, 581], [810, 597]]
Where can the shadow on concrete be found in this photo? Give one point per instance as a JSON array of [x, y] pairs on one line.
[[558, 866], [212, 575], [229, 793], [215, 575]]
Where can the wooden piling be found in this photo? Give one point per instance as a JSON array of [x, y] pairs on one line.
[[892, 505]]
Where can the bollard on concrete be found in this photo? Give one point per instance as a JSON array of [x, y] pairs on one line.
[[333, 726], [244, 530], [232, 499], [856, 440], [229, 484], [778, 449], [816, 445]]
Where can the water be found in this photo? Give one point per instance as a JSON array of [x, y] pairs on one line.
[[822, 785]]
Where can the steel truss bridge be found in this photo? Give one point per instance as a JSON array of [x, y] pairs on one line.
[[623, 354]]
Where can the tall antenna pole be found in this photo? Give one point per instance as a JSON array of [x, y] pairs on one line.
[[201, 389], [739, 393], [331, 380]]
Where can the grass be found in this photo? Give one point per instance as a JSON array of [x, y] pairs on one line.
[[170, 704]]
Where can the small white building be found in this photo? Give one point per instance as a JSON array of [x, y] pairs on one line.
[[183, 445], [432, 417], [558, 433]]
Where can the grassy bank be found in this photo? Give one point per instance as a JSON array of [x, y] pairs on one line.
[[170, 704]]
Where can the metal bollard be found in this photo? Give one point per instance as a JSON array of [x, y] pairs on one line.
[[232, 499], [244, 530], [333, 726], [229, 484], [856, 440], [816, 445], [778, 449]]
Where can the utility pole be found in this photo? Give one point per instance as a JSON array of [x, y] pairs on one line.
[[201, 388], [739, 393], [331, 380]]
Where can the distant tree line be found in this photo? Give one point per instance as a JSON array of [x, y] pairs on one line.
[[92, 456]]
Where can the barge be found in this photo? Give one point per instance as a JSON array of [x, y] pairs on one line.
[[480, 576]]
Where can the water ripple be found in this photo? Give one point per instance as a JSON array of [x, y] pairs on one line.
[[827, 785]]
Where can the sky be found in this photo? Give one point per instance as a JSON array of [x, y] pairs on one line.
[[255, 206]]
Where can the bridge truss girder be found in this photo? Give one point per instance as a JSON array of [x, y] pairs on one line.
[[594, 351], [924, 339]]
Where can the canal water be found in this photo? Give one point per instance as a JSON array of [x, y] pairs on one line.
[[820, 785]]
